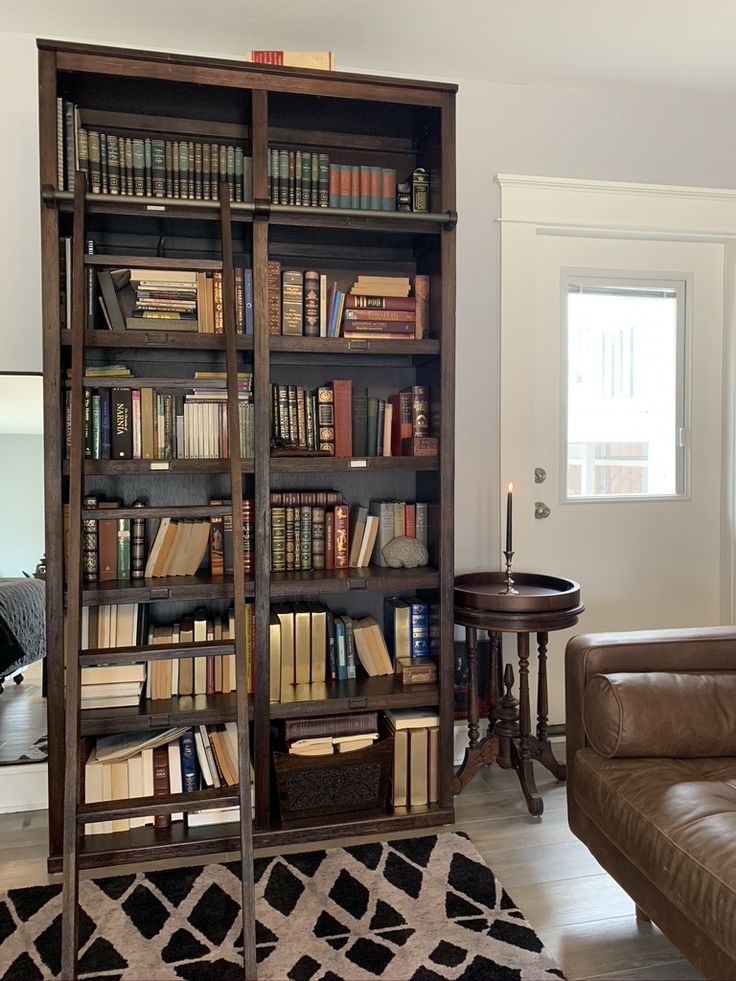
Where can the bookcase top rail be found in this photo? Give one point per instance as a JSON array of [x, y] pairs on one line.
[[184, 588], [148, 381], [414, 221], [99, 468], [156, 652], [104, 59]]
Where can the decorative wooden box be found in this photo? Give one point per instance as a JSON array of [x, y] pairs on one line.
[[313, 786]]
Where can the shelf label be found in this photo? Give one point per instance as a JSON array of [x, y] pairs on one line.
[[358, 464], [160, 465], [155, 207]]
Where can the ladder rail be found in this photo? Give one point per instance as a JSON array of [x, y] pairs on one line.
[[241, 667], [72, 774]]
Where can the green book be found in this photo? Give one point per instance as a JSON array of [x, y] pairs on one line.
[[123, 552]]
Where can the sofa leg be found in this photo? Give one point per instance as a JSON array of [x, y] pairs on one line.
[[642, 916]]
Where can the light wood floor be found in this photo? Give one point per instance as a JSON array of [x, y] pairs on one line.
[[22, 714], [585, 920]]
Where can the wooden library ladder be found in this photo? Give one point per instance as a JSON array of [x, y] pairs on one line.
[[76, 813]]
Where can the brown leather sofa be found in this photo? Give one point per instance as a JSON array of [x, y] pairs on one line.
[[651, 778]]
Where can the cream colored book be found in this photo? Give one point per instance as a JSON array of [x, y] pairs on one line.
[[400, 769], [318, 646], [418, 757], [93, 792], [119, 791], [302, 644], [274, 658], [433, 769], [135, 785], [175, 784], [286, 618]]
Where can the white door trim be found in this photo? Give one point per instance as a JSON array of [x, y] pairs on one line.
[[533, 205]]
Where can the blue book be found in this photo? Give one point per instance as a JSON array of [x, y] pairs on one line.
[[341, 650], [189, 768], [349, 646], [248, 299], [419, 630]]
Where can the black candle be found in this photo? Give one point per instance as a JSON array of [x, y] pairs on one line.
[[509, 505]]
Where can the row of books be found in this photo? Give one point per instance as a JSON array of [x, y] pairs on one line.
[[309, 179], [344, 421], [157, 424], [176, 761], [125, 625], [147, 166], [309, 645], [305, 303], [308, 537]]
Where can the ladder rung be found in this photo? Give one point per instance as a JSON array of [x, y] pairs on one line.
[[158, 652], [200, 800]]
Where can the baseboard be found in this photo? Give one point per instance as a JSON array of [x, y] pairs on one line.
[[25, 787]]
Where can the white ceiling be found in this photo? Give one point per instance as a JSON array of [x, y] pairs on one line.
[[21, 405], [679, 44]]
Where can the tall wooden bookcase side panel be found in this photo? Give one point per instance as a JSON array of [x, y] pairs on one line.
[[352, 117]]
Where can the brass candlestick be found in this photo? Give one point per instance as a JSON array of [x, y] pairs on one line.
[[508, 589]]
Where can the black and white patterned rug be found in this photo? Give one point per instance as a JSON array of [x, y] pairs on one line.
[[423, 908]]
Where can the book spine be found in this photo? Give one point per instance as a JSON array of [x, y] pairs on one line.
[[421, 295], [89, 541], [70, 145], [278, 539], [95, 166], [345, 171], [342, 544], [137, 544], [355, 187], [148, 166], [217, 542], [219, 321], [292, 302], [318, 538], [311, 303], [59, 144], [420, 410], [326, 419], [161, 784], [343, 411], [188, 753], [330, 539], [388, 187], [274, 297], [323, 180], [419, 629], [121, 437], [139, 169], [376, 198], [123, 549], [333, 196], [158, 168]]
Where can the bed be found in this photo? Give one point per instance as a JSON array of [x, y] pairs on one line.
[[22, 625]]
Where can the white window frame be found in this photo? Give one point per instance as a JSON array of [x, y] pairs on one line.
[[621, 280]]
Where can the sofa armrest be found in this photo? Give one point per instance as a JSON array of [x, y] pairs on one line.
[[688, 649]]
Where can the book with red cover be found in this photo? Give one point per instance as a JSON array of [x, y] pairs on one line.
[[161, 782], [330, 539], [342, 390], [401, 423], [405, 303], [107, 544]]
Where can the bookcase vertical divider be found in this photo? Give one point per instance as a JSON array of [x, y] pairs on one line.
[[241, 669], [447, 448], [262, 462], [70, 919]]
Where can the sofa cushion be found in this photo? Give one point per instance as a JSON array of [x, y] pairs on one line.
[[675, 820], [661, 713]]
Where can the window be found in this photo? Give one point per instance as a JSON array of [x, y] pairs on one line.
[[625, 387]]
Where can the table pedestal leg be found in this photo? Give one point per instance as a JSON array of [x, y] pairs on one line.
[[480, 753], [507, 713], [521, 755], [542, 750]]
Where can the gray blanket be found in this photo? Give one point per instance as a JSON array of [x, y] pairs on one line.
[[22, 623]]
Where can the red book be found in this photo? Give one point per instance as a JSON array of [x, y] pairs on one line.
[[380, 302], [401, 422], [330, 539], [334, 185], [342, 543], [161, 782], [342, 393], [393, 316], [345, 176]]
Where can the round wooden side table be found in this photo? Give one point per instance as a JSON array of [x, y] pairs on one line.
[[541, 604]]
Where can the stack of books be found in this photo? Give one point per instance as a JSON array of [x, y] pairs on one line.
[[112, 686], [176, 761], [387, 308], [415, 776]]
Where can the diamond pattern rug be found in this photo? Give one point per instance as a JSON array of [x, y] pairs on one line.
[[424, 908]]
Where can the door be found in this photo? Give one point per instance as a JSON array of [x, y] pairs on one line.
[[640, 535]]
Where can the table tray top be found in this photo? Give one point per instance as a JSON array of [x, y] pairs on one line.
[[536, 592]]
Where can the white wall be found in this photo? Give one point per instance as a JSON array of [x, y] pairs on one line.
[[21, 504], [596, 132]]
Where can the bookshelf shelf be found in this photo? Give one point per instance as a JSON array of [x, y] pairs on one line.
[[390, 127], [93, 468], [183, 589], [182, 710], [141, 340], [200, 800]]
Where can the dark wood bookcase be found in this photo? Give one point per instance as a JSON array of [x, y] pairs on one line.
[[395, 122]]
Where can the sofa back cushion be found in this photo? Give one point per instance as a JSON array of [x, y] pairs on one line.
[[661, 713]]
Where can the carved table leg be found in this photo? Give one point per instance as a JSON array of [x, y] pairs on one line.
[[471, 648], [543, 750], [494, 678], [522, 757], [507, 714], [480, 753]]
